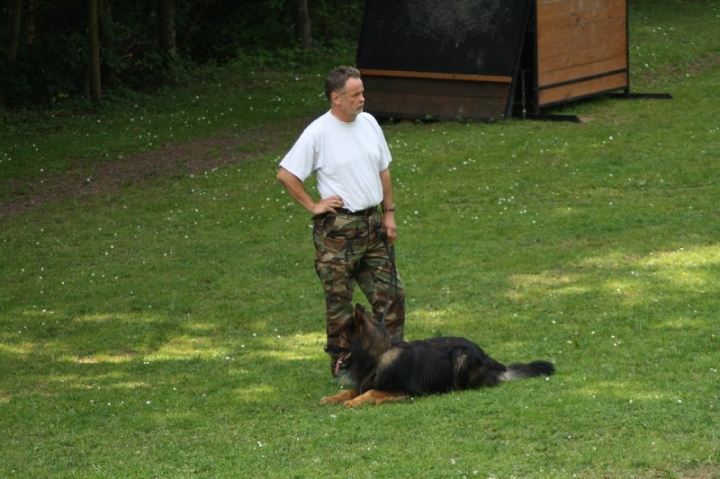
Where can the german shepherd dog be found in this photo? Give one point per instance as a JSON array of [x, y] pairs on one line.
[[386, 368]]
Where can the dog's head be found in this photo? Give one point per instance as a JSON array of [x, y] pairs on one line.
[[366, 333], [362, 335]]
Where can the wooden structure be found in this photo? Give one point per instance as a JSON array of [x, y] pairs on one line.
[[461, 59], [574, 49]]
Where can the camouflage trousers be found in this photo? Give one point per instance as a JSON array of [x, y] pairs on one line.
[[350, 252]]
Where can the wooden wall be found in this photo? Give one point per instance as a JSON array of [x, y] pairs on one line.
[[430, 95], [582, 49]]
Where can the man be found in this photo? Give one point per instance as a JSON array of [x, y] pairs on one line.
[[347, 151]]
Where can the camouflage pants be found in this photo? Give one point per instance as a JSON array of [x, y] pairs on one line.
[[348, 252]]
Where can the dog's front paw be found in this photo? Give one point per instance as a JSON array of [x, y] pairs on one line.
[[350, 403], [339, 398], [374, 396]]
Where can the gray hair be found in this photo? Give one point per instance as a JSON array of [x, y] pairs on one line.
[[335, 82]]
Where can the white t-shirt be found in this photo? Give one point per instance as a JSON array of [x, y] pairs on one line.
[[346, 157]]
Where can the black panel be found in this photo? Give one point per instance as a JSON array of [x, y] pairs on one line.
[[478, 37]]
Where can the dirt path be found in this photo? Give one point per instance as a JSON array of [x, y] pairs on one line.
[[95, 178]]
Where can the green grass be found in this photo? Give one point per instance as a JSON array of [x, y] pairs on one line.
[[174, 328], [220, 103]]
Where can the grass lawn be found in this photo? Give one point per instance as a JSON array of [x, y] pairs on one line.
[[167, 321]]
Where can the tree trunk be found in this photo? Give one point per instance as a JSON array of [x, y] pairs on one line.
[[167, 39], [303, 33], [166, 28], [94, 34], [15, 30]]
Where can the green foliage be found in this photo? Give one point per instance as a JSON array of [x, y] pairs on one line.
[[173, 326], [49, 58], [53, 54]]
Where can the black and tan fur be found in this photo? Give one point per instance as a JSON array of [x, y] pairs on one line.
[[390, 369]]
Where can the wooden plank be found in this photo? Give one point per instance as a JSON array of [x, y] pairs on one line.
[[576, 19], [546, 8], [581, 50], [436, 76], [564, 57], [434, 87], [614, 60], [582, 89], [422, 106], [584, 51], [568, 60], [558, 75], [594, 32], [568, 8]]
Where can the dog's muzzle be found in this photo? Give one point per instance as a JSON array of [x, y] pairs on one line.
[[340, 362]]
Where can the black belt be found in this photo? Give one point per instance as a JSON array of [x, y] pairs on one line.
[[366, 212]]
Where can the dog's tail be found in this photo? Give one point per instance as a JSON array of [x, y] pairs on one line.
[[528, 370]]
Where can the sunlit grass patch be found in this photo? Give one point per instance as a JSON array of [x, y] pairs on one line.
[[547, 282]]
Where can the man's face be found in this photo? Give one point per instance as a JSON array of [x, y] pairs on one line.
[[348, 103]]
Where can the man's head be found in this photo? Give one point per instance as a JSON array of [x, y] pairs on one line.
[[344, 90]]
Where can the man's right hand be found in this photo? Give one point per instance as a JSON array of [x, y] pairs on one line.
[[295, 188], [327, 205]]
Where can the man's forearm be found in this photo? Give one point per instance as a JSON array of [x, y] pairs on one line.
[[386, 181], [295, 189]]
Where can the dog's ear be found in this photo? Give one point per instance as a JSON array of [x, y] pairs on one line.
[[360, 315]]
